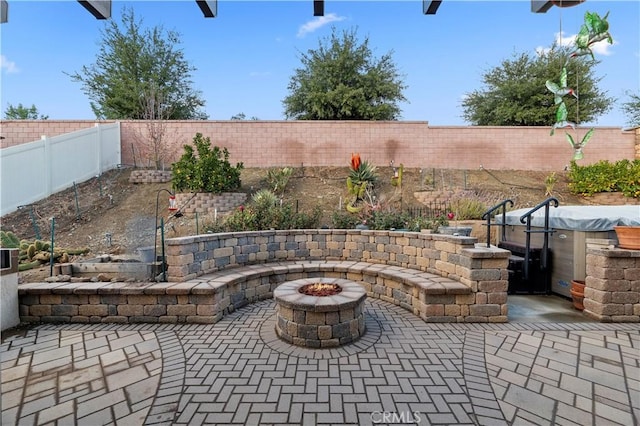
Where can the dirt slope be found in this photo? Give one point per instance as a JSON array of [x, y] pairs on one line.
[[113, 216]]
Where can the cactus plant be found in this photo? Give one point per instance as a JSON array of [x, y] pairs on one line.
[[9, 240], [28, 265], [31, 251]]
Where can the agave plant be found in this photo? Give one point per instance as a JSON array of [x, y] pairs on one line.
[[362, 176], [361, 171]]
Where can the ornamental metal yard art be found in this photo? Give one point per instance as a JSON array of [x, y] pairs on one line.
[[594, 30]]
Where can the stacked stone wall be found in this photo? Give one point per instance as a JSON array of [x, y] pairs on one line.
[[150, 176], [481, 269], [209, 203], [612, 292]]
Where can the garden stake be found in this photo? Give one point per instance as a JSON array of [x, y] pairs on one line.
[[36, 228], [75, 189], [53, 229]]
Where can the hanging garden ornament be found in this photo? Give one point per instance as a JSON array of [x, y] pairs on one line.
[[560, 90], [561, 119], [173, 206], [577, 147], [593, 30]]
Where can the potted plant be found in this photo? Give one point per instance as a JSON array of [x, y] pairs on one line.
[[628, 237], [577, 294]]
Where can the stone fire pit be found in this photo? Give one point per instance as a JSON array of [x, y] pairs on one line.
[[320, 321]]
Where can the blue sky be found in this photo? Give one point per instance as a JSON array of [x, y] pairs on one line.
[[246, 56]]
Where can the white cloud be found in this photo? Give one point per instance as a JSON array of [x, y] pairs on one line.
[[603, 47], [317, 23], [8, 66], [600, 48], [561, 40]]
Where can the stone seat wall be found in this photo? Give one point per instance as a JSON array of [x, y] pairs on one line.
[[439, 278], [208, 298]]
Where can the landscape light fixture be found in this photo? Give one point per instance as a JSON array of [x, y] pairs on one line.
[[318, 7], [209, 8]]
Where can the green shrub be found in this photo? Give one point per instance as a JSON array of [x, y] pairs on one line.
[[468, 208], [385, 220], [279, 178], [342, 219], [205, 169], [266, 212], [603, 176]]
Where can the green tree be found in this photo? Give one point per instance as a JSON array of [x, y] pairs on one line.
[[514, 92], [631, 109], [139, 67], [21, 112], [242, 116], [341, 80]]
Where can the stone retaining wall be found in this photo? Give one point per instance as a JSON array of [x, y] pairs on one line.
[[611, 199], [206, 202], [439, 278], [458, 258], [149, 176], [612, 292], [482, 269]]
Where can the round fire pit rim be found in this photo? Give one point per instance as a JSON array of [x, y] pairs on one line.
[[288, 296]]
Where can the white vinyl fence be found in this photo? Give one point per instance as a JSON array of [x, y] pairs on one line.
[[35, 170]]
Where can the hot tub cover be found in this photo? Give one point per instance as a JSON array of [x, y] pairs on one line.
[[579, 218]]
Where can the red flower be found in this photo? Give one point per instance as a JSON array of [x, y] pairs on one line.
[[355, 161], [241, 208], [451, 215]]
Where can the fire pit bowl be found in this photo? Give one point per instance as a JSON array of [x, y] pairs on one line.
[[333, 317]]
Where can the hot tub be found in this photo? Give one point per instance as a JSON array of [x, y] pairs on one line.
[[573, 225]]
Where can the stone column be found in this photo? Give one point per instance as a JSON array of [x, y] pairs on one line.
[[612, 292]]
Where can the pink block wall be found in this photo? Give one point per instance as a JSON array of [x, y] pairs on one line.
[[330, 143]]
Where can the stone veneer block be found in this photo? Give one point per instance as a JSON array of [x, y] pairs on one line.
[[319, 321]]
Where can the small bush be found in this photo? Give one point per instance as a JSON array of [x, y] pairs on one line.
[[208, 171], [265, 212], [603, 176], [468, 209], [342, 219], [279, 178], [382, 220]]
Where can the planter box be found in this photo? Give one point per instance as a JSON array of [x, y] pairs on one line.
[[207, 202]]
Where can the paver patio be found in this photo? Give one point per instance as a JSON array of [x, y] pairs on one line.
[[402, 370]]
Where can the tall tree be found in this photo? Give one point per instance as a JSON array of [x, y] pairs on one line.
[[138, 67], [631, 109], [341, 80], [514, 92], [21, 112]]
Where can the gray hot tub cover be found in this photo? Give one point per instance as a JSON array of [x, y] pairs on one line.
[[579, 218]]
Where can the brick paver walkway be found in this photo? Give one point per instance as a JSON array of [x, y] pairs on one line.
[[402, 371]]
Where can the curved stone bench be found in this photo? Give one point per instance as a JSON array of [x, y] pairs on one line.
[[208, 298], [441, 278]]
